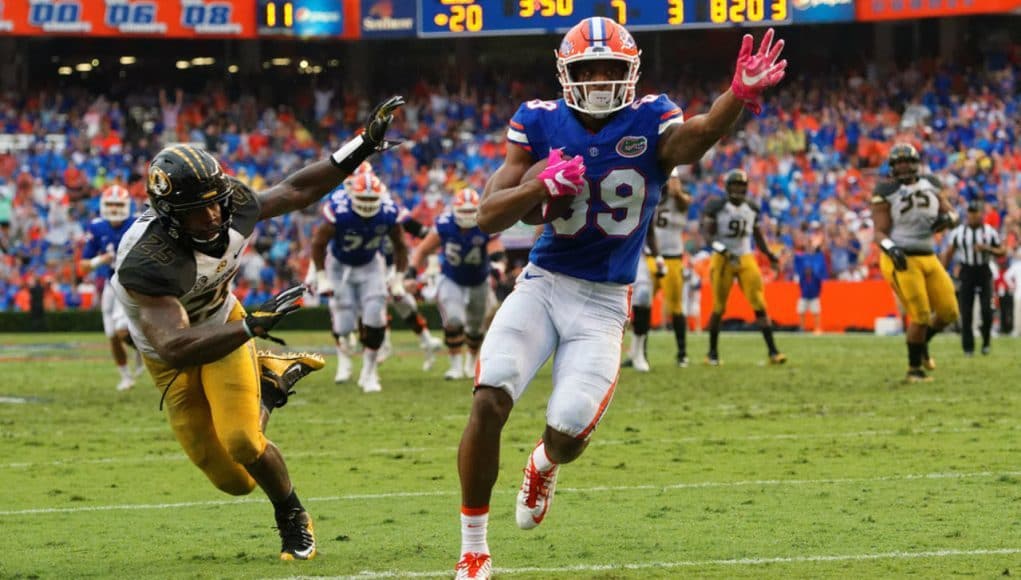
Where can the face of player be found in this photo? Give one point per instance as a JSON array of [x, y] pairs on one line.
[[905, 171], [202, 224], [737, 192], [602, 94]]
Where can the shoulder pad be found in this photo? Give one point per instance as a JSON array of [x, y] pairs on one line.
[[156, 265], [246, 209], [933, 180], [883, 190], [713, 206]]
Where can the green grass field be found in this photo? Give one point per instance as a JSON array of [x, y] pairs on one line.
[[824, 468]]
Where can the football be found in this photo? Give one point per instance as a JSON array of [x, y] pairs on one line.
[[559, 206]]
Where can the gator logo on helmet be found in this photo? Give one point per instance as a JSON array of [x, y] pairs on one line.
[[632, 146], [159, 181], [627, 41]]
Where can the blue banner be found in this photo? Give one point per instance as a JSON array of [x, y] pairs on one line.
[[383, 18], [822, 11]]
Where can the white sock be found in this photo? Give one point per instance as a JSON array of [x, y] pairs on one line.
[[342, 349], [473, 532], [125, 373], [456, 361], [542, 461], [639, 344], [424, 338], [386, 337], [369, 360]]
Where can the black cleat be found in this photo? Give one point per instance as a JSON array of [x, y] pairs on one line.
[[280, 372], [297, 536], [917, 376]]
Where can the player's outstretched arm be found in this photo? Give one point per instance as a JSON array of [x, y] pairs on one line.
[[424, 249], [400, 248], [505, 199], [310, 183], [754, 73], [165, 324]]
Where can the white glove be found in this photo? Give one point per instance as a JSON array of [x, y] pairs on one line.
[[323, 285], [396, 283], [660, 267]]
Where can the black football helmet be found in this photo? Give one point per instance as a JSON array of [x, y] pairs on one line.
[[182, 178], [736, 184], [904, 162]]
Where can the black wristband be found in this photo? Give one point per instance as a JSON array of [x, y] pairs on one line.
[[351, 154]]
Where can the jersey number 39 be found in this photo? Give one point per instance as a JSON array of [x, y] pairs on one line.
[[622, 191]]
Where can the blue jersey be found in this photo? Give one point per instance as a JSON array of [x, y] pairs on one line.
[[464, 258], [811, 271], [102, 237], [387, 249], [601, 238], [357, 239]]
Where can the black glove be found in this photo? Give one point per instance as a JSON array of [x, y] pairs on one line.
[[371, 140], [896, 253], [269, 313], [943, 221], [379, 121]]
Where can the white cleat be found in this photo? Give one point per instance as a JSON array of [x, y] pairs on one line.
[[535, 496], [343, 370], [127, 382], [474, 566], [640, 364], [454, 373], [370, 383], [430, 347]]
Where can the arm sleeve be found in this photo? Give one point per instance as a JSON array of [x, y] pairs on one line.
[[668, 112], [994, 237]]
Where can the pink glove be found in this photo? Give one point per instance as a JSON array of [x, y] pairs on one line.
[[562, 176], [756, 73]]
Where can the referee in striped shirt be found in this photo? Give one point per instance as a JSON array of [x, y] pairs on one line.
[[974, 242]]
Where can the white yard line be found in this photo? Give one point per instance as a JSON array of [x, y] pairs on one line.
[[452, 492], [369, 575]]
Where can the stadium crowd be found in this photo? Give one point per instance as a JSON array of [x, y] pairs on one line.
[[813, 157]]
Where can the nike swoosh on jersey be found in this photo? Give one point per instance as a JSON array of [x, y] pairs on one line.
[[531, 276], [754, 79]]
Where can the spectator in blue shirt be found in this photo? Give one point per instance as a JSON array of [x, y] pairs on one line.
[[810, 269]]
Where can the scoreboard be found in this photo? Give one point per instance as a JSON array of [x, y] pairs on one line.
[[467, 17]]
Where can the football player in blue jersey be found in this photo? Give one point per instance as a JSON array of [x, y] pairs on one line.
[[463, 292], [357, 220], [102, 238], [609, 152]]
